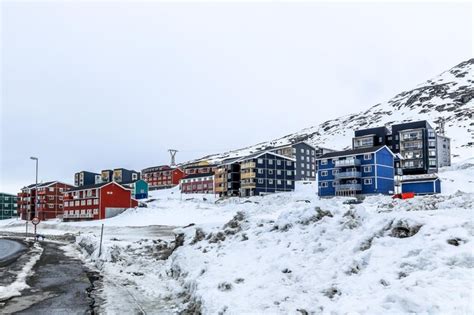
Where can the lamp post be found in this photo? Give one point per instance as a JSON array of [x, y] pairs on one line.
[[36, 192]]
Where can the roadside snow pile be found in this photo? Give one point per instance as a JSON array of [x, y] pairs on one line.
[[331, 256]]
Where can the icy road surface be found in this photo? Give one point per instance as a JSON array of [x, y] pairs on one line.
[[8, 249]]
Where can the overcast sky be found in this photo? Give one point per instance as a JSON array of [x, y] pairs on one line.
[[91, 86]]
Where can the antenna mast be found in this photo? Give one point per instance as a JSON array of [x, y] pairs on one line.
[[173, 155]]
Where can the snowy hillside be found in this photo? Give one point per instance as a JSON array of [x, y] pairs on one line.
[[448, 95]]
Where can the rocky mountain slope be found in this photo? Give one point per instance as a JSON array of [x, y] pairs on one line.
[[448, 96]]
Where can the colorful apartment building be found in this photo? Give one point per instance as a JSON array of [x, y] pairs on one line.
[[98, 201], [266, 172], [85, 178], [420, 149], [198, 183], [139, 189], [8, 206], [425, 184], [305, 158], [227, 178], [46, 202], [361, 171], [164, 176]]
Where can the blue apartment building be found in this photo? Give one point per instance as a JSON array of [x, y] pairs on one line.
[[363, 171]]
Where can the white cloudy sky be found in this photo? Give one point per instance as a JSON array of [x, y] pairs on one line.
[[95, 85]]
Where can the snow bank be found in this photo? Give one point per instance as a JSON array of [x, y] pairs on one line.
[[332, 257]]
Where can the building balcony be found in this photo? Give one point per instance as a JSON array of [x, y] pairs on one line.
[[219, 189], [247, 165], [247, 185], [349, 187], [347, 162], [42, 192], [219, 180], [349, 174], [247, 175]]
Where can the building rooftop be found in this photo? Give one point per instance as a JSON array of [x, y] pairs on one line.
[[350, 152]]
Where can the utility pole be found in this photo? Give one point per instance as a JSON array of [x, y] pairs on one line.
[[36, 196], [173, 155]]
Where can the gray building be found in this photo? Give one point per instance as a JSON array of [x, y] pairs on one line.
[[305, 158], [444, 151]]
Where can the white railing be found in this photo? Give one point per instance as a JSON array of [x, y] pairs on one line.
[[347, 162], [343, 187], [350, 174]]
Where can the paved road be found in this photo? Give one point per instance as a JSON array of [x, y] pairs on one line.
[[59, 285], [9, 250]]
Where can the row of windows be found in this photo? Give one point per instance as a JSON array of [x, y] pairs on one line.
[[81, 202], [271, 172], [307, 166], [308, 173], [367, 157], [271, 181], [83, 211], [278, 162], [200, 179], [367, 181], [307, 159], [366, 169]]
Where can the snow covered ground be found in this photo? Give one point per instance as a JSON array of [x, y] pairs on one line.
[[286, 253]]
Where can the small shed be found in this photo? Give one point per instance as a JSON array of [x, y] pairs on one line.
[[421, 185]]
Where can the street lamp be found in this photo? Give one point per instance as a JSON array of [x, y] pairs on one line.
[[36, 194]]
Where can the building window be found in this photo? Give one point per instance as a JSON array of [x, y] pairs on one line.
[[367, 157], [302, 158], [334, 172], [324, 162], [432, 162], [324, 184], [289, 182], [313, 174], [302, 172], [96, 201], [432, 143], [278, 162], [76, 202], [278, 182], [278, 172], [302, 165], [288, 163], [288, 173], [89, 202], [260, 181], [270, 181], [96, 211], [367, 181], [324, 173], [260, 170], [260, 161], [367, 169], [302, 151], [270, 162]]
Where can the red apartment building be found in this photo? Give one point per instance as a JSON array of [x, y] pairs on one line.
[[199, 183], [49, 204], [95, 202], [162, 176]]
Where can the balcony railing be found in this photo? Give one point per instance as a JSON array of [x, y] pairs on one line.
[[219, 171], [219, 180], [247, 175], [219, 189], [347, 162], [247, 184], [247, 165], [350, 174], [349, 187]]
